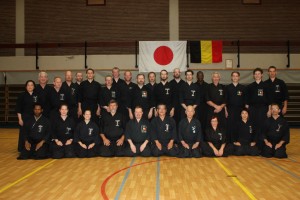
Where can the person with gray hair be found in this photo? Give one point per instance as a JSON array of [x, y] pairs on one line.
[[43, 92], [216, 100]]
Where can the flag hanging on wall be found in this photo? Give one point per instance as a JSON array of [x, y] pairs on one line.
[[206, 51], [158, 55]]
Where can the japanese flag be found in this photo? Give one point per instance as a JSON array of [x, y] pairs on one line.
[[158, 55]]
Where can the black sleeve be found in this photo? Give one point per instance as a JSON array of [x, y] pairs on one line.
[[285, 92], [173, 124], [181, 94], [48, 132], [180, 129], [208, 135], [19, 103], [199, 135], [77, 133], [128, 130], [207, 96], [286, 131], [153, 133], [53, 129]]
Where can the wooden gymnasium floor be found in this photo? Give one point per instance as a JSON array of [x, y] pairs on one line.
[[148, 178]]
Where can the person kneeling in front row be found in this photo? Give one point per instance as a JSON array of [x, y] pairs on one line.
[[86, 137], [138, 135], [276, 135], [63, 127], [36, 135], [190, 135], [216, 141], [112, 130], [164, 134], [245, 138]]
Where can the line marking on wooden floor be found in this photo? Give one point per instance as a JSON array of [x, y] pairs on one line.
[[124, 179], [104, 183], [235, 179], [26, 176], [284, 170], [158, 178]]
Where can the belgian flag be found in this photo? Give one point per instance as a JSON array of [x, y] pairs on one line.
[[206, 51]]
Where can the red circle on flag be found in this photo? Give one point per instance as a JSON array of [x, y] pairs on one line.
[[163, 55]]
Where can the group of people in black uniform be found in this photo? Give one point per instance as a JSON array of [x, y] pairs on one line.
[[173, 118]]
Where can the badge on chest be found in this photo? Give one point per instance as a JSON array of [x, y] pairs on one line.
[[144, 94], [117, 122], [144, 128], [90, 131], [167, 91], [260, 92]]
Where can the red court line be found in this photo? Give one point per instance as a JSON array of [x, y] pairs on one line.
[[103, 192]]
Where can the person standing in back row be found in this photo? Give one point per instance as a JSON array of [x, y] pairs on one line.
[[235, 102], [216, 100], [202, 107], [176, 84], [189, 95], [278, 92], [89, 96], [24, 109], [256, 99], [164, 93]]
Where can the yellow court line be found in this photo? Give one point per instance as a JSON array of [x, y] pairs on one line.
[[236, 180], [26, 176]]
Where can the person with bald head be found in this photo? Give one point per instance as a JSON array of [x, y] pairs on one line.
[[58, 96], [126, 94], [72, 88], [190, 135]]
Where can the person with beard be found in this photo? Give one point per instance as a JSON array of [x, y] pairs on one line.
[[164, 94], [43, 92], [58, 96], [86, 137], [72, 88], [235, 102], [36, 136], [78, 78], [151, 85], [108, 93], [176, 84], [276, 135], [202, 107], [24, 109], [62, 145], [151, 81], [215, 137], [216, 100], [112, 131], [188, 95], [256, 100], [142, 96], [190, 135], [138, 135], [126, 94], [89, 96], [278, 92], [245, 137], [164, 134]]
